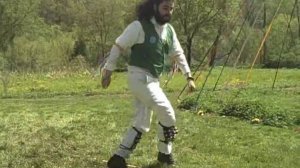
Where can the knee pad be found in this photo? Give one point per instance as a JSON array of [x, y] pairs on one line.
[[169, 133], [136, 139]]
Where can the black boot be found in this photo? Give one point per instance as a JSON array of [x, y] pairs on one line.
[[166, 159], [116, 161]]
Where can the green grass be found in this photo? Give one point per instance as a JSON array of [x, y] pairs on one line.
[[67, 120]]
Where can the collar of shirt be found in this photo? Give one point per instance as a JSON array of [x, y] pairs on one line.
[[159, 28]]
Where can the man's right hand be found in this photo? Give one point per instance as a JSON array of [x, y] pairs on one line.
[[191, 85], [106, 78]]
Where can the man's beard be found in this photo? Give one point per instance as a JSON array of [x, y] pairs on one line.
[[162, 19]]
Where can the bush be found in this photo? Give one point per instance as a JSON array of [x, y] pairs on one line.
[[189, 103], [35, 54], [257, 112], [297, 121], [277, 119], [246, 110], [210, 102], [253, 110]]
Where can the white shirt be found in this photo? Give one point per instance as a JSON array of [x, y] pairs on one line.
[[134, 34]]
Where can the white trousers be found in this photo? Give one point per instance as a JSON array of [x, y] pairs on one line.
[[148, 96]]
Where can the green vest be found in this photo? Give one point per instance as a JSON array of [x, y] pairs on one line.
[[151, 54]]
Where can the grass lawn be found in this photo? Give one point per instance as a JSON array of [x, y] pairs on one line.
[[66, 120]]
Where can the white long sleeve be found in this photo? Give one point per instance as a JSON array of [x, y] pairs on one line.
[[112, 59], [177, 54], [127, 39], [182, 63]]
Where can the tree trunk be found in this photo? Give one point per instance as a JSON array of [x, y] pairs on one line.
[[246, 8], [298, 16], [214, 50], [213, 53], [264, 54], [12, 56], [189, 50]]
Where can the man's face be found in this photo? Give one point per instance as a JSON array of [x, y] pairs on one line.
[[164, 12]]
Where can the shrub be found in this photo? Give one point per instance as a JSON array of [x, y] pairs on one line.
[[297, 121], [246, 110], [277, 119], [190, 103], [254, 110], [251, 110], [209, 102]]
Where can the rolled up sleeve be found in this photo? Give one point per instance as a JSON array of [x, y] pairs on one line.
[[130, 35], [126, 40]]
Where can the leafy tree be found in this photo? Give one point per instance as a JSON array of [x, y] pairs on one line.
[[298, 18], [60, 12], [47, 34], [191, 15], [15, 18]]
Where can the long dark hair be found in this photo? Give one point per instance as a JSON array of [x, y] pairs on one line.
[[145, 10]]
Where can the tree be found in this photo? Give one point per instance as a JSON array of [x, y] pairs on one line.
[[298, 18], [14, 15], [221, 4], [60, 12], [191, 15], [15, 18], [99, 22]]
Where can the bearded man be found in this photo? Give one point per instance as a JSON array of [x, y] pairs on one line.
[[152, 40]]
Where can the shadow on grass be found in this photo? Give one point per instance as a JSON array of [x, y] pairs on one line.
[[155, 165]]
